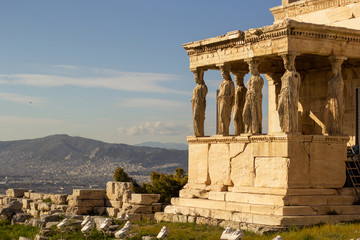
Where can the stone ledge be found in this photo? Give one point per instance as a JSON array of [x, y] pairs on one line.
[[255, 219], [207, 208]]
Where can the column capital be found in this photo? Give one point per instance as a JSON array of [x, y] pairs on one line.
[[337, 59], [283, 54], [253, 59], [198, 69], [223, 66], [236, 71]]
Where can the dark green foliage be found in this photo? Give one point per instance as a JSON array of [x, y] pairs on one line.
[[121, 176], [167, 186], [47, 200]]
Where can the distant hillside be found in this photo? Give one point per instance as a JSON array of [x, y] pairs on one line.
[[66, 160], [177, 146]]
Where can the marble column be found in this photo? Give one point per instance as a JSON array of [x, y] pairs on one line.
[[199, 103], [240, 93], [225, 101], [252, 113], [274, 87], [289, 96], [334, 109]]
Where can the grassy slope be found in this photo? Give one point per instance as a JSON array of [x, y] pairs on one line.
[[8, 231], [186, 231]]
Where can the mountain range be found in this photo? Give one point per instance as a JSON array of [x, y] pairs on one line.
[[62, 160], [177, 146]]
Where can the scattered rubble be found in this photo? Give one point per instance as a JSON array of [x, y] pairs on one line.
[[46, 210]]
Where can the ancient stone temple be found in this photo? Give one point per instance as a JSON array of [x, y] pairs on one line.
[[296, 173]]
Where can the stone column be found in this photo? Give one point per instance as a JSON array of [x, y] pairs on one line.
[[199, 103], [274, 87], [334, 109], [252, 113], [239, 102], [225, 101], [289, 95]]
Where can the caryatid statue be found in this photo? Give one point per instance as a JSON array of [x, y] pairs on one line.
[[252, 113], [240, 92], [199, 103], [334, 110], [289, 95], [225, 102]]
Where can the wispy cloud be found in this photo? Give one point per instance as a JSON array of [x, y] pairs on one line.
[[155, 128], [28, 121], [71, 67], [96, 78], [152, 103], [23, 99]]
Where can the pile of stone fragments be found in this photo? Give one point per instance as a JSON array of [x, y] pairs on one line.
[[46, 210]]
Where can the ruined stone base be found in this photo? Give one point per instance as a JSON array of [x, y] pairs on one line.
[[277, 181], [257, 228], [268, 211]]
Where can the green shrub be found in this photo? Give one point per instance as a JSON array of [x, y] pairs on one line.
[[167, 186], [121, 176], [47, 200]]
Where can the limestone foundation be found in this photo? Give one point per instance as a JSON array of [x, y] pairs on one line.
[[296, 173]]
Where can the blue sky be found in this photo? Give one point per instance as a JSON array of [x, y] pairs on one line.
[[111, 70]]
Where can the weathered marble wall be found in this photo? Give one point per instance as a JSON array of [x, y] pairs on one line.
[[277, 161], [313, 94]]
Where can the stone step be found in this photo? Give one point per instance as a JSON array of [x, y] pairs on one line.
[[295, 197], [191, 207], [258, 219]]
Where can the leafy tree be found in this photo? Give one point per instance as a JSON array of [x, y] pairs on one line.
[[167, 186], [121, 176]]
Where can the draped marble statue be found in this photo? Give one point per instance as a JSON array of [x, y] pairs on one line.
[[199, 103], [334, 109], [289, 95], [252, 113], [225, 102], [239, 102]]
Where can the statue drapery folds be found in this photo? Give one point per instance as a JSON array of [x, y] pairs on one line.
[[199, 103]]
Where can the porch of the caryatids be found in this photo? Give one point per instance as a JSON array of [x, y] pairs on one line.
[[199, 103], [334, 109], [252, 113], [225, 101], [289, 95], [240, 93]]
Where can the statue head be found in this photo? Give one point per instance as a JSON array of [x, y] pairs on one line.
[[254, 67], [199, 76], [225, 73], [336, 63], [289, 62], [239, 77]]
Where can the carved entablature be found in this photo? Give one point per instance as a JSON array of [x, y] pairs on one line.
[[287, 36], [211, 45], [304, 7], [245, 138]]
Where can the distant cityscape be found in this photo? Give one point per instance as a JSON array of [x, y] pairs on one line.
[[69, 163]]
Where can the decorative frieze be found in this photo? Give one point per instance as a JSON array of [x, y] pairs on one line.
[[305, 7], [209, 48], [245, 138]]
